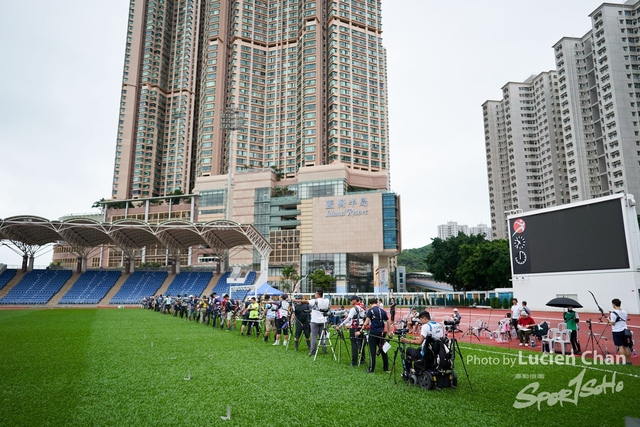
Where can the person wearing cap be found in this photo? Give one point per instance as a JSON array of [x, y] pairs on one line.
[[525, 327], [456, 317], [353, 321]]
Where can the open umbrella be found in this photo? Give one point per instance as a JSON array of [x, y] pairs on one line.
[[564, 303]]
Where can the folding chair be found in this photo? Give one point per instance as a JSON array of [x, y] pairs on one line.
[[548, 340], [562, 338]]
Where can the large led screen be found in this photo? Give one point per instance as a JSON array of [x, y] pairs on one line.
[[587, 237]]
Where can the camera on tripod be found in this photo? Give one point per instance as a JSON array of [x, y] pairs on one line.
[[402, 330], [450, 325]]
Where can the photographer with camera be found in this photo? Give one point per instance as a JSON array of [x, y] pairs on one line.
[[431, 331], [319, 312], [353, 319], [376, 319]]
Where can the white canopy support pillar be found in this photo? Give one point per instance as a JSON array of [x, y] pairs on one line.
[[376, 273], [264, 249]]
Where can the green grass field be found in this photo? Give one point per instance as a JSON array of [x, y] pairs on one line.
[[107, 367]]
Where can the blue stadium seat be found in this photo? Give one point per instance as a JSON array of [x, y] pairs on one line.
[[222, 287], [189, 283], [138, 285], [91, 287], [36, 287]]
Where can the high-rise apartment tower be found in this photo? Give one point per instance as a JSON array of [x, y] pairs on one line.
[[309, 76], [581, 138], [525, 155]]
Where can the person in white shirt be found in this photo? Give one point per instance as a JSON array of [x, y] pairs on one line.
[[515, 313], [319, 310], [431, 330], [282, 321], [618, 321]]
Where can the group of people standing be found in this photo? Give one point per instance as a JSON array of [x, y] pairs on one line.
[[279, 316], [523, 323]]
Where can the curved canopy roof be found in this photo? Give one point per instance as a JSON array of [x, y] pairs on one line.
[[132, 234]]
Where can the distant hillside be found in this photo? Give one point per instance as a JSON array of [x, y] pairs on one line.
[[414, 259]]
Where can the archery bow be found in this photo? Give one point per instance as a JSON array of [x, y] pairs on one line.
[[598, 305]]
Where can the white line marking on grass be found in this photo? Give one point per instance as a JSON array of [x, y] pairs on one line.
[[577, 366], [228, 417]]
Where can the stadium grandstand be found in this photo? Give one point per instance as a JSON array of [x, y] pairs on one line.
[[29, 233], [91, 287], [189, 283], [36, 287], [138, 285]]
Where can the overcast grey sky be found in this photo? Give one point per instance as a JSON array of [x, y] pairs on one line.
[[61, 76]]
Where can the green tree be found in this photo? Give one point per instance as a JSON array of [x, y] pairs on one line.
[[485, 266], [414, 259], [445, 259], [288, 277], [321, 280]]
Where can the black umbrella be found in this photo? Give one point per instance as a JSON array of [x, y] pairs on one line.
[[564, 303]]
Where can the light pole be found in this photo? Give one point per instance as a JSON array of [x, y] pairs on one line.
[[232, 119]]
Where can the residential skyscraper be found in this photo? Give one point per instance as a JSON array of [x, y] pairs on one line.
[[309, 76], [585, 137], [524, 150], [599, 91], [452, 228]]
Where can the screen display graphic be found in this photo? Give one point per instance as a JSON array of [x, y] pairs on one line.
[[583, 238]]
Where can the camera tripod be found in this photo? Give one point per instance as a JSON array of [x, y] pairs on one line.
[[402, 349], [364, 344], [341, 341], [325, 341], [455, 348], [471, 332], [596, 341]]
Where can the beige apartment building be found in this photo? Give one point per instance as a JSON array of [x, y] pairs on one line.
[[308, 81], [525, 156], [309, 76]]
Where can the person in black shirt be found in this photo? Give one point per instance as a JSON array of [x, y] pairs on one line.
[[301, 312], [392, 310], [376, 320]]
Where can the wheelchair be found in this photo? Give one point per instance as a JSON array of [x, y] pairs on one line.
[[434, 368]]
